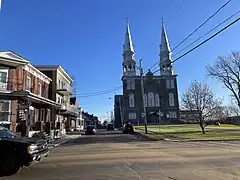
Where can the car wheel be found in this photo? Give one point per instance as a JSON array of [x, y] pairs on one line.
[[11, 165]]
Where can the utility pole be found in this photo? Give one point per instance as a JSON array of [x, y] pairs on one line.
[[142, 88], [159, 114]]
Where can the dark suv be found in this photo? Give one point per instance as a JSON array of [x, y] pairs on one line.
[[128, 129], [90, 130], [110, 127], [17, 152]]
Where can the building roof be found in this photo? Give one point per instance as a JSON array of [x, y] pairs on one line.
[[54, 68], [164, 47], [10, 58], [128, 45]]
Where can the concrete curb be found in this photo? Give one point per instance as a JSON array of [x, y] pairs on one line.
[[197, 140], [147, 137], [187, 140], [64, 141]]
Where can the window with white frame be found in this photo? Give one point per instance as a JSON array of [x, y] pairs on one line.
[[59, 84], [151, 99], [5, 110], [39, 89], [157, 100], [132, 115], [168, 83], [172, 114], [58, 100], [29, 84], [145, 100], [131, 100], [128, 84], [133, 84], [3, 79], [3, 76], [172, 83], [171, 99]]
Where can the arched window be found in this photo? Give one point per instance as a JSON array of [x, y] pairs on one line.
[[145, 100], [130, 67], [157, 100], [125, 68], [131, 100], [171, 99], [151, 99]]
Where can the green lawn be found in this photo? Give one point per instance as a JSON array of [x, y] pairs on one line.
[[193, 132]]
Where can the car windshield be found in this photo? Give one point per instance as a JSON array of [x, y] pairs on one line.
[[5, 133]]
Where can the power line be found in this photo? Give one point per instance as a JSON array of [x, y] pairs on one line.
[[18, 83], [200, 44], [208, 32], [97, 92], [176, 11], [202, 24], [197, 29]]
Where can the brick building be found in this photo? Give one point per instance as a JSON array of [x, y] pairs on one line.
[[24, 95]]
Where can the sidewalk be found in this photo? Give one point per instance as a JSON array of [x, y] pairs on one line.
[[66, 138]]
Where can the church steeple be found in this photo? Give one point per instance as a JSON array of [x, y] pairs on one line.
[[165, 54], [129, 63], [128, 45]]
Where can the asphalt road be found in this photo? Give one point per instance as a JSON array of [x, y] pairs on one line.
[[117, 156]]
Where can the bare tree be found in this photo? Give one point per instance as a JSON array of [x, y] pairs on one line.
[[233, 110], [199, 97], [227, 70], [73, 86]]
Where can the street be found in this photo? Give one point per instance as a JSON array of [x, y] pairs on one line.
[[124, 156]]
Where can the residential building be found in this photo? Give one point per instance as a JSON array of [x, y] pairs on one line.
[[24, 99], [80, 120], [89, 119], [160, 91], [60, 91]]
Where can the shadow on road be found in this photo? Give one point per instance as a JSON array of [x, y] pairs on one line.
[[106, 138]]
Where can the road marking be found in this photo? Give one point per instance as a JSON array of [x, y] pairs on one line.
[[128, 165], [224, 143]]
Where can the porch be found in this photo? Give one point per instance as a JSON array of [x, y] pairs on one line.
[[29, 112]]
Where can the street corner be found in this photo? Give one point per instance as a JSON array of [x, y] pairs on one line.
[[63, 140]]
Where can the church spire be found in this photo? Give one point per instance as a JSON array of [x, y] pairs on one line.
[[129, 63], [165, 54], [164, 47], [128, 45]]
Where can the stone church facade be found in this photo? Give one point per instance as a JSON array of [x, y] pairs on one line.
[[160, 91]]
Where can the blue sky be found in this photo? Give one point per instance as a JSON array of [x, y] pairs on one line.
[[86, 36]]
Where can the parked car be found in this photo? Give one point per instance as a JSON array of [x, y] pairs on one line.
[[90, 130], [17, 152], [110, 127], [128, 129]]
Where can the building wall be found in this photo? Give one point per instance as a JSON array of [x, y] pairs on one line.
[[157, 85], [62, 83], [117, 112], [18, 81]]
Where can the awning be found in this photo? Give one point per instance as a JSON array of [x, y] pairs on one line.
[[28, 95], [5, 122]]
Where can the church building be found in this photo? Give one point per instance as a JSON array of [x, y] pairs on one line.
[[160, 90]]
